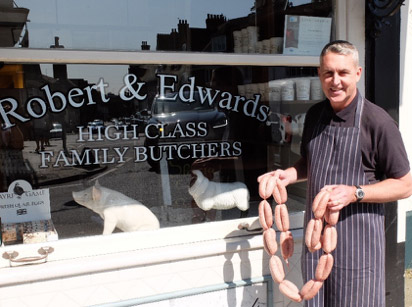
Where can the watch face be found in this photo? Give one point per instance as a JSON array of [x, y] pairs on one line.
[[360, 193]]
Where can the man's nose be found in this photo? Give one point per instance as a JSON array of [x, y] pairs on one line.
[[335, 79]]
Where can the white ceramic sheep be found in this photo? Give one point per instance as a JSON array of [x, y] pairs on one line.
[[218, 195]]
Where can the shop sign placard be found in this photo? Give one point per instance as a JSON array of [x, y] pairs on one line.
[[306, 35], [23, 204]]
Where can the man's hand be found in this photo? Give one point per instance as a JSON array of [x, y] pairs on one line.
[[390, 189], [340, 196], [288, 176], [279, 173]]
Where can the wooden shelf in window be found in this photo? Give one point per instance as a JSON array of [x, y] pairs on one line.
[[67, 56]]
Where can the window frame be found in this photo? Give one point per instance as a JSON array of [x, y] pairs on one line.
[[100, 245], [121, 243]]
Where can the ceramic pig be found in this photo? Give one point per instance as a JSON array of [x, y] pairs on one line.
[[116, 209]]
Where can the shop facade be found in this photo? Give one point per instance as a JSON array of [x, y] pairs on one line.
[[108, 109]]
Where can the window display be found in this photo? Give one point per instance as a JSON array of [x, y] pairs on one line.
[[163, 146]]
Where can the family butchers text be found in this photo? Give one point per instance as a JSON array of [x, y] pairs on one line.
[[119, 154]]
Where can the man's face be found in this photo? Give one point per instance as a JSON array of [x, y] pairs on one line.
[[339, 75]]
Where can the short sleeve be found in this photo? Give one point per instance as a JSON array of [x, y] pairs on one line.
[[384, 152], [392, 157]]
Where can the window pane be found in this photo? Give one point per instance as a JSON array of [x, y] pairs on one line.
[[244, 26], [130, 146]]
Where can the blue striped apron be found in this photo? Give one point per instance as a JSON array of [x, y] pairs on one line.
[[358, 274]]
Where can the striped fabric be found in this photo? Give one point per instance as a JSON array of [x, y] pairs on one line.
[[358, 275]]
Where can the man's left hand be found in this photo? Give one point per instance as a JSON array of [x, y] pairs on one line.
[[340, 196]]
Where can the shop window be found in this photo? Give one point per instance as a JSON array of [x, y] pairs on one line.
[[99, 145], [145, 147]]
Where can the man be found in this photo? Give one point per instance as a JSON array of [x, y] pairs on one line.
[[354, 148]]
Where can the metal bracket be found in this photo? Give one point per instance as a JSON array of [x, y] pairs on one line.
[[44, 253], [248, 228], [381, 10]]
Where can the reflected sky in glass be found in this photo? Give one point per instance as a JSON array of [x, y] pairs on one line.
[[119, 24]]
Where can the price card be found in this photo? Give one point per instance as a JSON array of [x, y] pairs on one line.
[[23, 204]]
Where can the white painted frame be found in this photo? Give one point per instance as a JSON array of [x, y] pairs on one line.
[[405, 106]]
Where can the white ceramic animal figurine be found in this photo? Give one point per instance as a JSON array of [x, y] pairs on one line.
[[218, 195], [116, 209]]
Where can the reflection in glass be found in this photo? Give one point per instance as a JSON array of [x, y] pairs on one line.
[[145, 146], [245, 26], [162, 106]]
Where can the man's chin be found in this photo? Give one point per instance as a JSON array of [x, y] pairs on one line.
[[336, 98], [336, 94]]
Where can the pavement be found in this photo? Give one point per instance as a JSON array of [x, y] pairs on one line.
[[44, 176]]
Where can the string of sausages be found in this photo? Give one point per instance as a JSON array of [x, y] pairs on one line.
[[317, 236]]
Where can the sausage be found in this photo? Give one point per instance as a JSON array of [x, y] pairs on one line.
[[270, 186], [262, 186], [286, 245], [317, 198], [269, 241], [265, 215], [290, 290], [320, 204], [306, 287], [331, 217], [310, 289], [324, 267], [315, 248], [283, 194], [276, 269], [276, 195], [329, 239], [313, 235], [282, 217], [316, 233], [308, 232]]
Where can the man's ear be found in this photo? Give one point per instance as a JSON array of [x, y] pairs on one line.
[[358, 73]]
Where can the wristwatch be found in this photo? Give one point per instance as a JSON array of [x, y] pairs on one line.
[[359, 193]]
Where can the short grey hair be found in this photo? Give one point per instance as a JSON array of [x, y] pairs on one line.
[[341, 47]]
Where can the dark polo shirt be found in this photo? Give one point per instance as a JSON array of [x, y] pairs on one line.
[[383, 151]]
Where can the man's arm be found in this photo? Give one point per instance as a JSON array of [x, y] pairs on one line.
[[391, 189]]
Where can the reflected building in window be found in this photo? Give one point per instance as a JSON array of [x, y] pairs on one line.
[[13, 25], [216, 37]]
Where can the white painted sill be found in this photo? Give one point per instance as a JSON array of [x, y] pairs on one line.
[[72, 257]]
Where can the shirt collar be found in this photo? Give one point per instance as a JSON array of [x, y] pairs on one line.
[[347, 113]]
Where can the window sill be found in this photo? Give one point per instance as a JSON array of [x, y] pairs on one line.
[[72, 257]]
